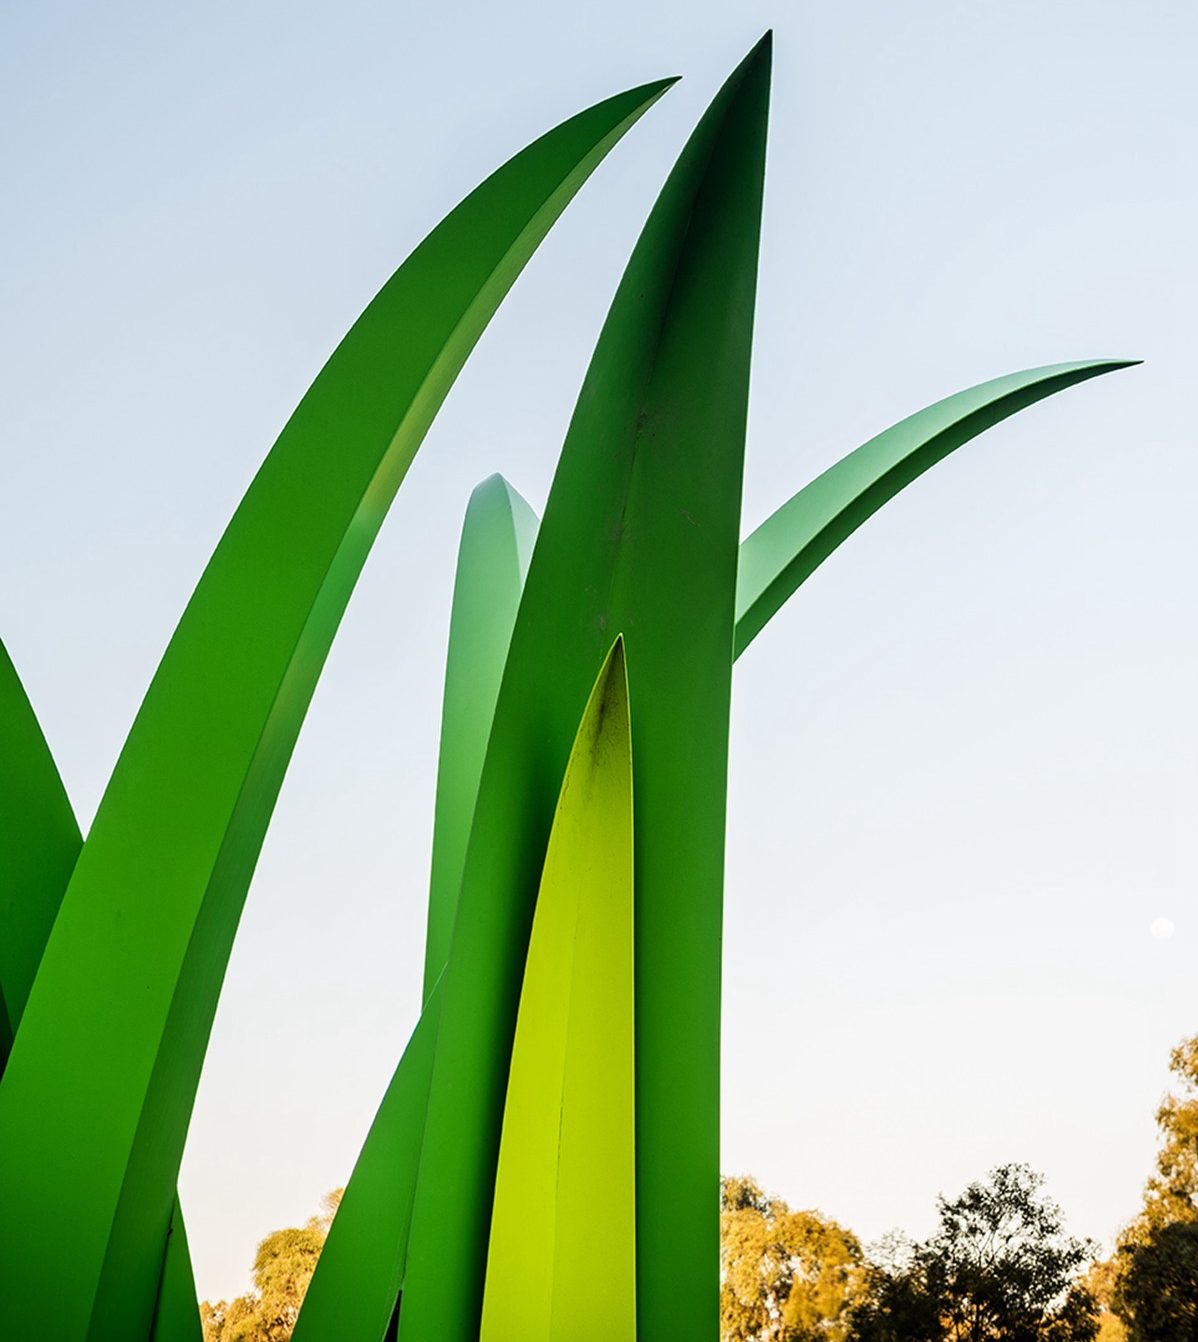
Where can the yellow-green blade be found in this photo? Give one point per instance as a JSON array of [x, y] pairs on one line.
[[561, 1265]]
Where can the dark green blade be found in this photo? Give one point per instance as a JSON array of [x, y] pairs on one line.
[[96, 1099], [639, 537], [39, 844], [791, 543]]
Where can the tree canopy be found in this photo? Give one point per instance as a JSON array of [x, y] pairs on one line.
[[785, 1276], [1153, 1277], [283, 1267], [999, 1268]]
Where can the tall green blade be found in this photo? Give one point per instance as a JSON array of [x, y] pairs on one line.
[[96, 1099], [791, 543], [639, 535], [497, 540], [39, 844], [562, 1260], [352, 1295]]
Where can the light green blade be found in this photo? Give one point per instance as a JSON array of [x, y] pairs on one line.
[[791, 543], [562, 1260], [99, 1087], [360, 1271], [639, 536], [497, 540], [177, 1314]]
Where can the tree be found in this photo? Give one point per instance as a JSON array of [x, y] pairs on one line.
[[1157, 1289], [1000, 1268], [785, 1276], [1172, 1192], [283, 1267], [898, 1307], [1156, 1266], [1101, 1281]]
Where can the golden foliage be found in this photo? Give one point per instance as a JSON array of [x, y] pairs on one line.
[[283, 1267], [785, 1276]]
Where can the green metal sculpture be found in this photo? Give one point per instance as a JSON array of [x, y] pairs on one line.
[[567, 1055]]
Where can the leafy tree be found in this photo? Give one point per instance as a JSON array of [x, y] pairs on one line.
[[898, 1308], [1000, 1268], [1101, 1281], [283, 1267], [1172, 1192], [785, 1276], [1001, 1262], [1156, 1267], [1157, 1290]]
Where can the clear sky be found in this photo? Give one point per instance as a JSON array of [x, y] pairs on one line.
[[965, 758]]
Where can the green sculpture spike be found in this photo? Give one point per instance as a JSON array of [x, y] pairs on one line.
[[359, 1275], [639, 534], [497, 541], [562, 1260], [790, 544], [120, 1011], [353, 1289], [39, 844]]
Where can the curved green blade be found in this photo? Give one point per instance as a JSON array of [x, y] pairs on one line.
[[639, 535], [360, 1271], [497, 540], [562, 1260], [177, 1313], [39, 844], [96, 1099], [791, 543]]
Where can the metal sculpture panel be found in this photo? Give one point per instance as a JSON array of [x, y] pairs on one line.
[[568, 1048]]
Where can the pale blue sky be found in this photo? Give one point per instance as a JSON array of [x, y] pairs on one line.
[[965, 758]]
